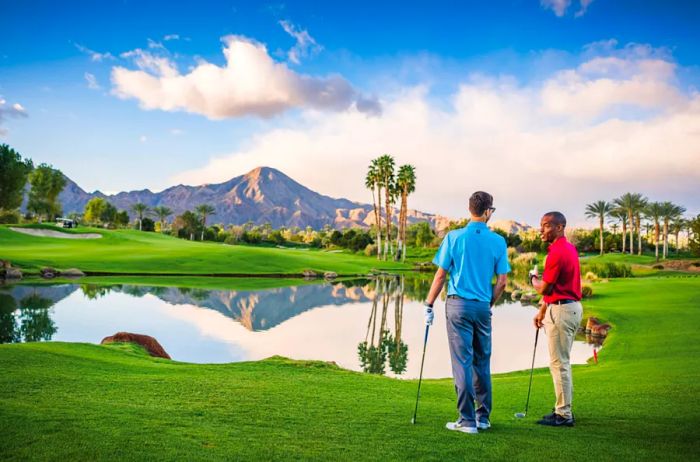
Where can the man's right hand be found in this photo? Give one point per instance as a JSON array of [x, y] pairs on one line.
[[539, 317], [429, 315]]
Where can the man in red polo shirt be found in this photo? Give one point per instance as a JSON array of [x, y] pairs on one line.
[[560, 313]]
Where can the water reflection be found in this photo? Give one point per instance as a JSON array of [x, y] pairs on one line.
[[372, 325], [382, 342]]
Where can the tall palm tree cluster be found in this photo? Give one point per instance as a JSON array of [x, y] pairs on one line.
[[629, 210], [142, 210], [383, 178]]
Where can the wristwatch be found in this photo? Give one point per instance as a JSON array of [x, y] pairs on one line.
[[429, 305]]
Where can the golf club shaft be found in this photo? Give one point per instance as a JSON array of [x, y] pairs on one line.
[[420, 377], [532, 369]]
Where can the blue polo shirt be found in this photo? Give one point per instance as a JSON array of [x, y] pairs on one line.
[[472, 255]]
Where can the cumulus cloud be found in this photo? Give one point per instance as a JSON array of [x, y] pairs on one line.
[[250, 83], [94, 55], [560, 7], [7, 111], [305, 44], [503, 137], [169, 37], [92, 81]]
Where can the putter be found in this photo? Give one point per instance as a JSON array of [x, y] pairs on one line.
[[522, 415], [420, 377]]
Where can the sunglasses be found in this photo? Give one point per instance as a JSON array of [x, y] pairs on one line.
[[493, 209]]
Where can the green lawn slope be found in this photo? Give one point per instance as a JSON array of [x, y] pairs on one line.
[[63, 401], [136, 252]]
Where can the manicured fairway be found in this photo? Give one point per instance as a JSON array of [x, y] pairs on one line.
[[129, 251], [84, 402]]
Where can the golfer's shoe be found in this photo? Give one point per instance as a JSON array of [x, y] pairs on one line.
[[483, 425], [461, 427], [555, 420]]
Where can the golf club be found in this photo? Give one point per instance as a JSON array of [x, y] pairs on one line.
[[522, 415], [420, 377]]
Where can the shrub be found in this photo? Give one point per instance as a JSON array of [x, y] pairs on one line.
[[608, 270], [231, 239], [586, 291], [10, 216], [371, 250], [591, 276]]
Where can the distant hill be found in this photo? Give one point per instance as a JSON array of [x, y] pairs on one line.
[[510, 226], [263, 195]]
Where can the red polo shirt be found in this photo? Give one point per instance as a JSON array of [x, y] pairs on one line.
[[562, 270]]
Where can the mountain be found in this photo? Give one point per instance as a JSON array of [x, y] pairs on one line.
[[510, 226], [263, 195]]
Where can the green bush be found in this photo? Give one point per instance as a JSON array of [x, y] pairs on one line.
[[586, 291], [608, 270], [8, 217]]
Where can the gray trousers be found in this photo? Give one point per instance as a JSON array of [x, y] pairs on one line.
[[469, 336]]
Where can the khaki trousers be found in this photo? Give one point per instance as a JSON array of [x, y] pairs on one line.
[[561, 323]]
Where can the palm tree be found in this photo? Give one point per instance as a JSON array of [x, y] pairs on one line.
[[670, 211], [372, 182], [204, 210], [676, 227], [599, 209], [162, 212], [630, 203], [614, 228], [406, 184], [620, 215], [140, 210], [640, 203], [654, 211], [386, 179]]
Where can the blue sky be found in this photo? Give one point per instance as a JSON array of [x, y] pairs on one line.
[[96, 100]]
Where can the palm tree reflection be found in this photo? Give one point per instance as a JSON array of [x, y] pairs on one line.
[[380, 343]]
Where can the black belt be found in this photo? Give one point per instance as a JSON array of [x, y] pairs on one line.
[[563, 302], [462, 298]]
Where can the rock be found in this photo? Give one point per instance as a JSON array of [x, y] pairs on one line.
[[596, 328], [72, 273], [48, 273], [149, 343], [13, 273], [309, 274], [330, 275], [529, 297]]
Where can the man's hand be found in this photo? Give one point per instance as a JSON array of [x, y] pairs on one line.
[[532, 274], [539, 317], [429, 315]]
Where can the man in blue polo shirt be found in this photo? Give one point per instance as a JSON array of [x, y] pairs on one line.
[[472, 256]]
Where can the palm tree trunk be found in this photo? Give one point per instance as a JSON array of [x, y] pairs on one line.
[[665, 239], [631, 222], [656, 240], [639, 235], [387, 201], [601, 234], [377, 223], [405, 223], [624, 236]]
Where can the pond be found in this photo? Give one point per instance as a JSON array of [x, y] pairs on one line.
[[375, 325]]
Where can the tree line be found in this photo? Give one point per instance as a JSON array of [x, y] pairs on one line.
[[631, 212]]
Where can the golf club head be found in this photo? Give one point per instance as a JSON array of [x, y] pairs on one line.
[[520, 415]]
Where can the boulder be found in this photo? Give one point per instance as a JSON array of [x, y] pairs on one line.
[[330, 275], [48, 273], [309, 274], [597, 329], [149, 343], [13, 273], [72, 273]]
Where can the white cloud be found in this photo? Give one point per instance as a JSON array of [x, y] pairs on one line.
[[169, 37], [14, 111], [560, 7], [509, 139], [143, 138], [305, 44], [94, 55], [92, 81], [251, 83]]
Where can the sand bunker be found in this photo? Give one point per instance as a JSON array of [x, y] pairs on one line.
[[58, 234]]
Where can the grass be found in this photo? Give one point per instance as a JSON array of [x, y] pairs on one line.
[[136, 252], [62, 401]]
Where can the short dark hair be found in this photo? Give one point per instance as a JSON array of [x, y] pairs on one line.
[[479, 203], [557, 217]]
